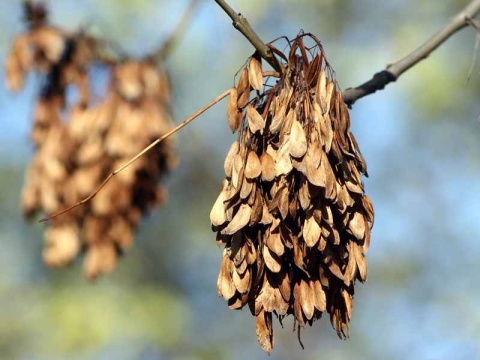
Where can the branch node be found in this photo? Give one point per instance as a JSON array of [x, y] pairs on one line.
[[241, 24], [393, 71]]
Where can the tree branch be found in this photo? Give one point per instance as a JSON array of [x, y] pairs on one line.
[[393, 71], [176, 34], [140, 154], [241, 24], [106, 54], [476, 25]]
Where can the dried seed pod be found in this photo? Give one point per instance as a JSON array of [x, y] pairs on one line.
[[253, 167], [298, 140], [234, 115], [62, 244], [243, 89], [293, 193], [78, 144], [255, 76], [255, 120]]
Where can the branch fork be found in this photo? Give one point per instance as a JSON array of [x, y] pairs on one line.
[[392, 72]]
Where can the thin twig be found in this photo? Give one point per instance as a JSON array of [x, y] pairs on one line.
[[393, 71], [476, 25], [474, 57], [141, 153], [107, 56], [299, 337], [241, 24], [177, 33], [271, 73]]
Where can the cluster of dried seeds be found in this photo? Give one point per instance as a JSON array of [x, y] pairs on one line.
[[79, 143], [292, 213]]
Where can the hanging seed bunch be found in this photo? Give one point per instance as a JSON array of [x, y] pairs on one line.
[[292, 213], [62, 58], [135, 112], [81, 142]]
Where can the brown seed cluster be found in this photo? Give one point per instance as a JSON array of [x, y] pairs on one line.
[[292, 213], [81, 141]]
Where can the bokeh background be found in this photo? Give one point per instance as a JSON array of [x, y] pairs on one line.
[[421, 139]]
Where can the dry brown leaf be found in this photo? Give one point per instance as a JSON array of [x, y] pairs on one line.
[[62, 244], [292, 207], [324, 278], [324, 126], [284, 286], [225, 285], [287, 125], [251, 253], [238, 301], [330, 180], [283, 202], [311, 231], [253, 167], [347, 298], [243, 89], [237, 171], [241, 267], [254, 194], [272, 261], [268, 167], [240, 220], [242, 282], [297, 305], [257, 209], [228, 164], [128, 81], [50, 42], [315, 175], [100, 259], [354, 187], [234, 115], [281, 305], [23, 51], [351, 269], [321, 91], [361, 261], [266, 298], [366, 241], [320, 300], [264, 330], [267, 217], [14, 74], [367, 203], [307, 299], [357, 225], [328, 99], [297, 253], [335, 269], [246, 188], [217, 214], [327, 215], [334, 236], [279, 111], [304, 194], [255, 72], [322, 243], [283, 163], [298, 140], [274, 241], [255, 120]]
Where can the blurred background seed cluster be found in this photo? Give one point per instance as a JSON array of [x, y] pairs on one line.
[[420, 138]]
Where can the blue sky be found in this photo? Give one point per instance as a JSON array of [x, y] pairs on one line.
[[421, 300]]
